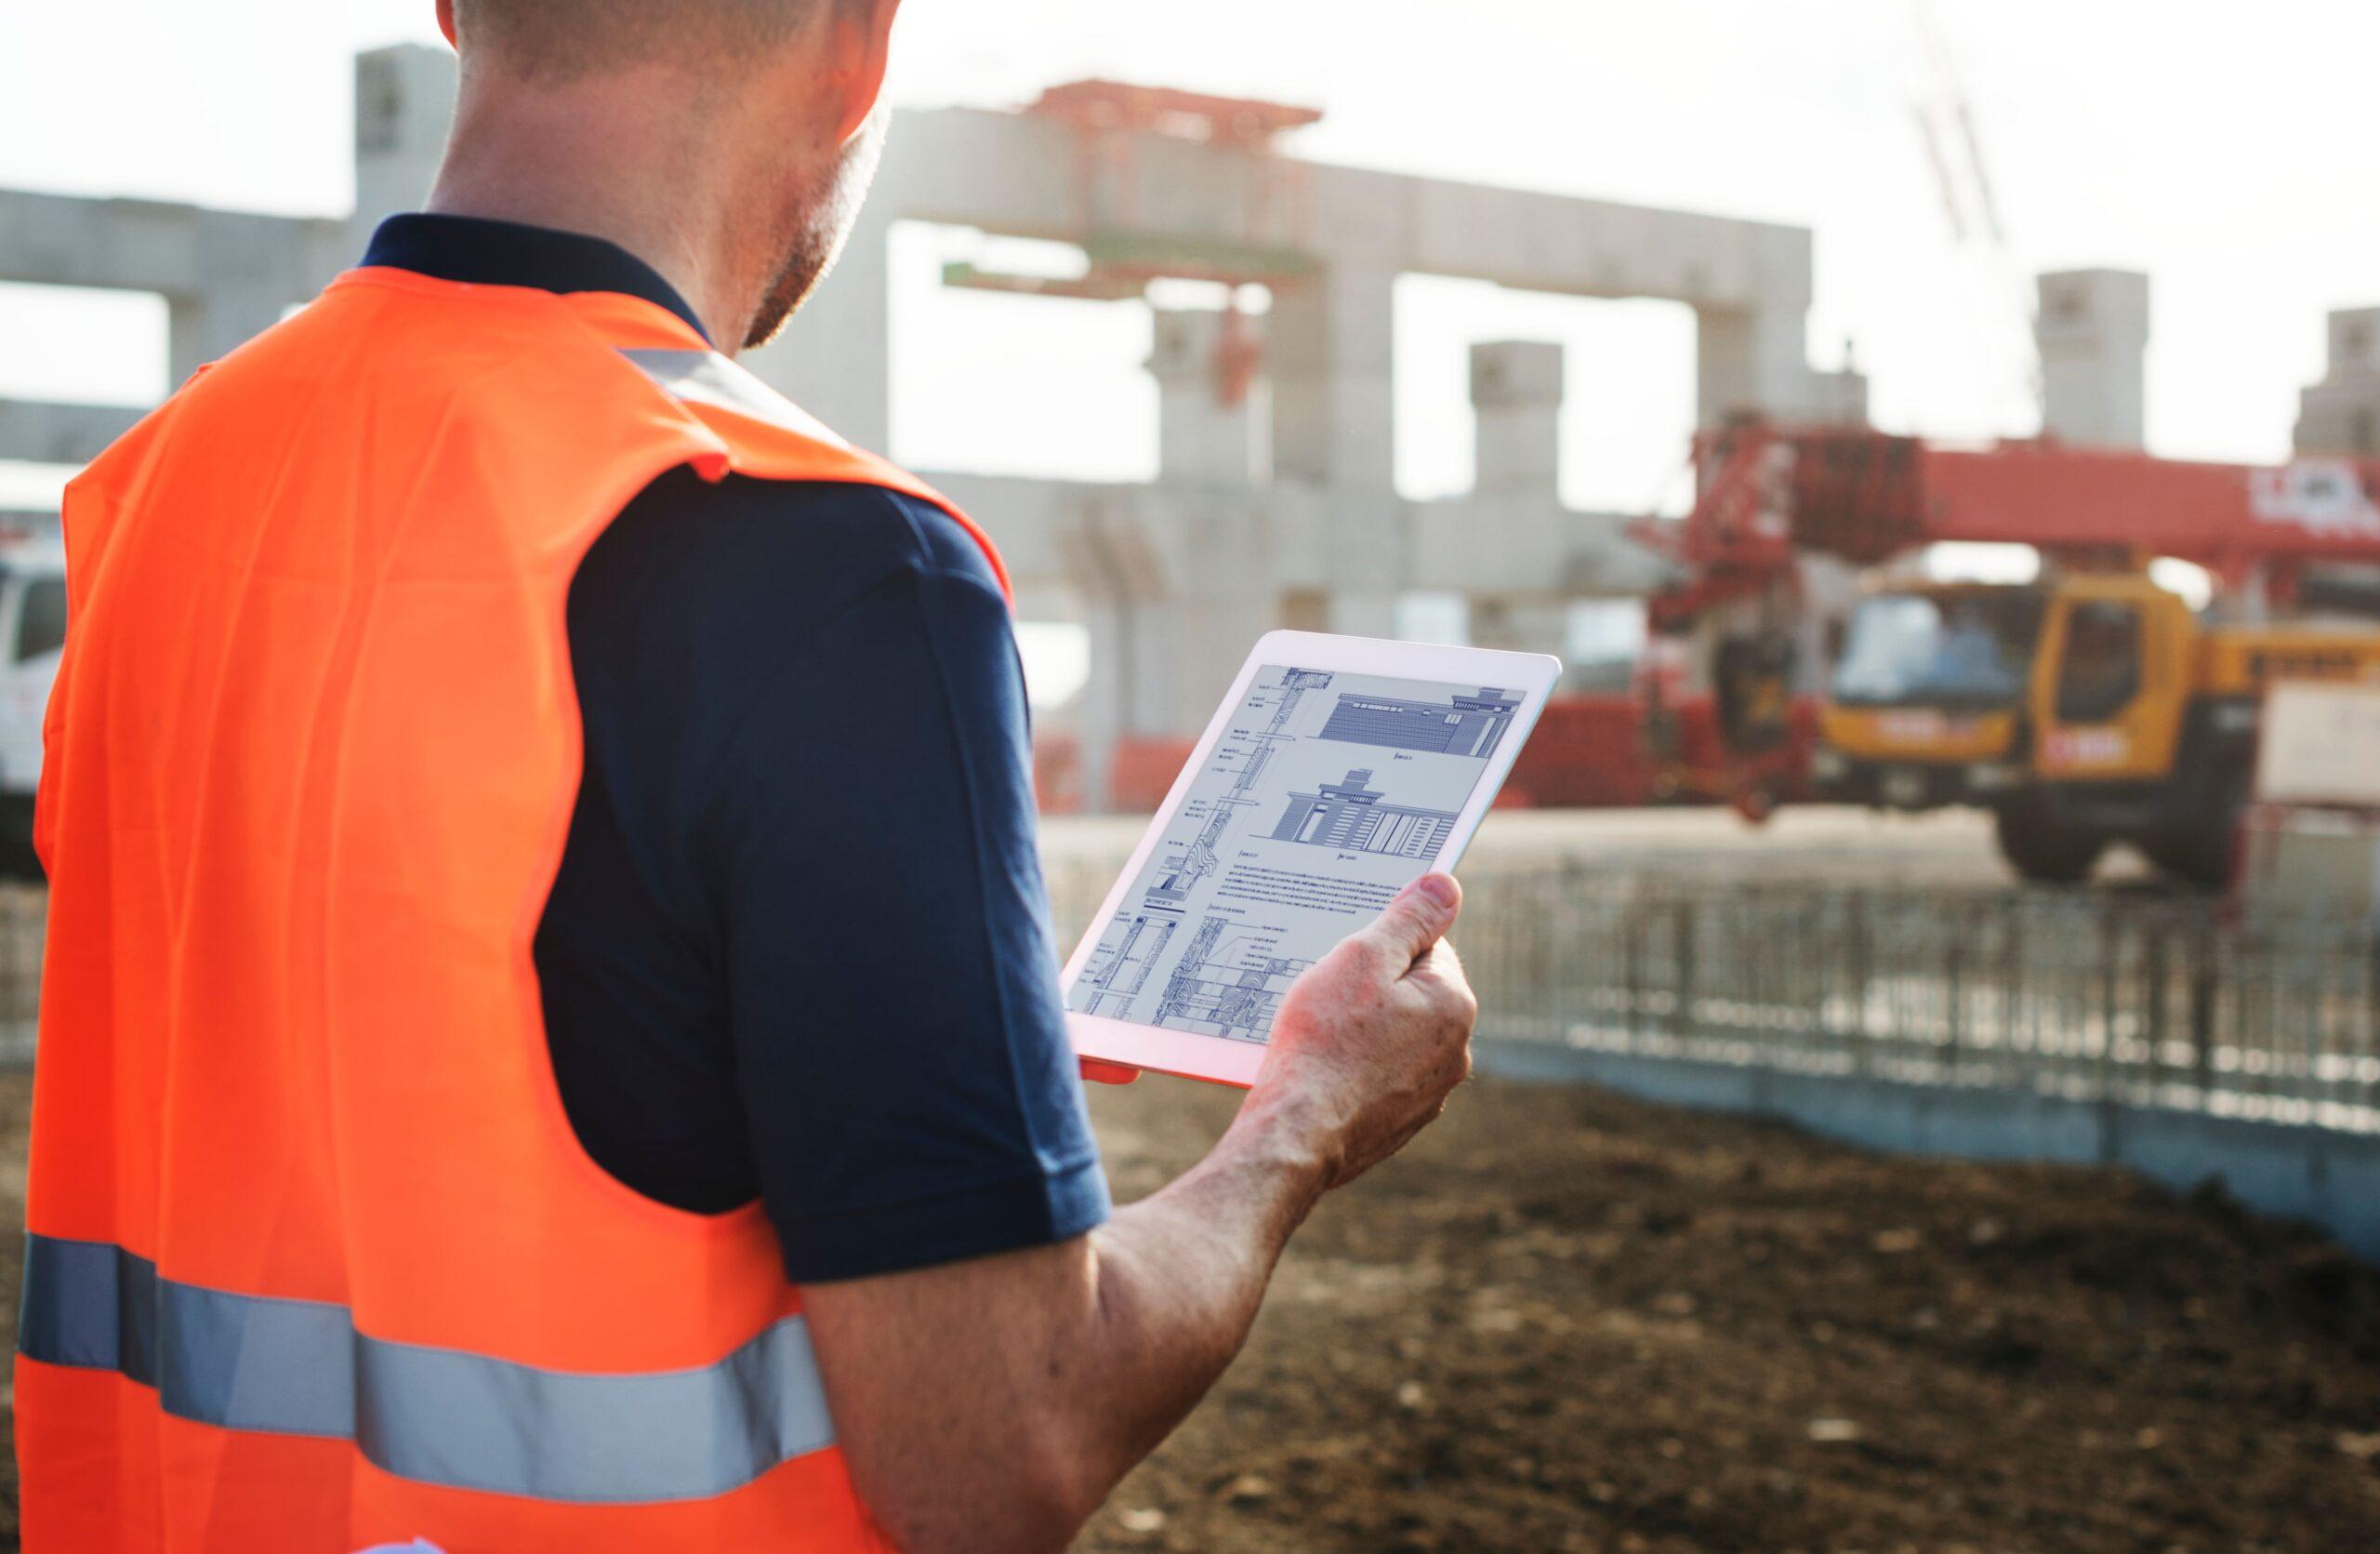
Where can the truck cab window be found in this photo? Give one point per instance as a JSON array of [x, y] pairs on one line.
[[1967, 649], [41, 624], [2101, 673]]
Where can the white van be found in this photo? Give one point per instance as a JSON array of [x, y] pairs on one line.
[[33, 629]]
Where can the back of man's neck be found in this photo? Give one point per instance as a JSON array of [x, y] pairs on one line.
[[574, 166]]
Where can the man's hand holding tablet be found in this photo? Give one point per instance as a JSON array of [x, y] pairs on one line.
[[1282, 927], [1337, 774], [1371, 1041]]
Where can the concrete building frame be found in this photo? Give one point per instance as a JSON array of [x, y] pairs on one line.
[[1271, 508]]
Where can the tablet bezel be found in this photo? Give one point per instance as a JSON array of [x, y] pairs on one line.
[[1221, 1060]]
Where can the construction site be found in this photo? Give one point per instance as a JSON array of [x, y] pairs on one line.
[[1930, 1027]]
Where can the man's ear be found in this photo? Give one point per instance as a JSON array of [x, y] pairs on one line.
[[447, 21], [861, 47]]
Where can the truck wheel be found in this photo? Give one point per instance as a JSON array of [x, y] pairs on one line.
[[2203, 861], [2200, 851], [18, 860], [2043, 849]]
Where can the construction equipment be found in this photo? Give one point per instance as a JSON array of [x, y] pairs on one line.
[[2088, 707]]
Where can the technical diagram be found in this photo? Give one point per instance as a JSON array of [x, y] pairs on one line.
[[1471, 725], [1229, 983], [1121, 966], [1351, 817], [1324, 793], [1184, 870]]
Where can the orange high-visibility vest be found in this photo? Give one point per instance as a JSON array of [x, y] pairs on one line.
[[316, 1260]]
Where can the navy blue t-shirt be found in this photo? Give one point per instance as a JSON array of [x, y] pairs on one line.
[[799, 947]]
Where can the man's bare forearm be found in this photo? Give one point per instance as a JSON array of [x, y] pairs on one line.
[[1051, 1372], [987, 1407], [1180, 1277]]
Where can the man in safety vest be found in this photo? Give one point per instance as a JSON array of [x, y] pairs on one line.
[[549, 1039]]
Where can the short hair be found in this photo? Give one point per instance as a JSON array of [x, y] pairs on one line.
[[557, 40]]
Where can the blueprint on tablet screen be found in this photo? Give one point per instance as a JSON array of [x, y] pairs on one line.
[[1326, 794]]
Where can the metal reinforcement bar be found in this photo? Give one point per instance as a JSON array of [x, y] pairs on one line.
[[24, 918], [2141, 1001], [2171, 1036], [2149, 1003]]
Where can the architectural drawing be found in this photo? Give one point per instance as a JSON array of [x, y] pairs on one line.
[[1121, 965], [1350, 816], [1286, 840], [1229, 983], [1471, 725], [1184, 870]]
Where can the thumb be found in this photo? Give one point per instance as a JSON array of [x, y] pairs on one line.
[[1417, 918]]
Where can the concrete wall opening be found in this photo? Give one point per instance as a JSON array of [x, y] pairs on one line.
[[79, 346], [1016, 384], [1628, 410]]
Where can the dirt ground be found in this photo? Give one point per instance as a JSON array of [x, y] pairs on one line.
[[1566, 1321]]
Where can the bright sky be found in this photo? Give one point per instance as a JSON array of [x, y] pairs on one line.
[[2225, 148]]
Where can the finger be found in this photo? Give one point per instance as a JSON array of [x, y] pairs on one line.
[[1096, 1072], [1416, 920]]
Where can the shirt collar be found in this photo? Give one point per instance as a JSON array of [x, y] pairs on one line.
[[479, 252]]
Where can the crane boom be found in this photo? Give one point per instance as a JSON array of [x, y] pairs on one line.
[[1771, 492]]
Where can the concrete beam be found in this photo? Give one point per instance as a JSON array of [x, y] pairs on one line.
[[225, 275], [40, 433], [42, 525], [175, 250], [1174, 579], [1749, 282], [1021, 176], [1516, 545]]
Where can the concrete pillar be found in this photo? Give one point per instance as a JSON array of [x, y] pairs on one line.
[[1159, 667], [1176, 590], [1754, 359], [1200, 441], [2341, 414], [1516, 393], [1331, 348], [835, 358], [1748, 363], [1107, 702], [1521, 625], [404, 108], [1117, 577], [2093, 329], [1839, 398], [1329, 353]]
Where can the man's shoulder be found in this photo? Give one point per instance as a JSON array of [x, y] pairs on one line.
[[835, 532]]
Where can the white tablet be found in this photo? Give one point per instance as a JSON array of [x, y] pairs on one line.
[[1338, 771]]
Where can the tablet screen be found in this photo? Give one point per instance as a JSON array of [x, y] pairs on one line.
[[1325, 795]]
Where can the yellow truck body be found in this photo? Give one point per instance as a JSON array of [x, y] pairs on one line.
[[2083, 709]]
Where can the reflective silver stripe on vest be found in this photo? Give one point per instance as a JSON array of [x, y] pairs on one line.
[[708, 377], [436, 1416]]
